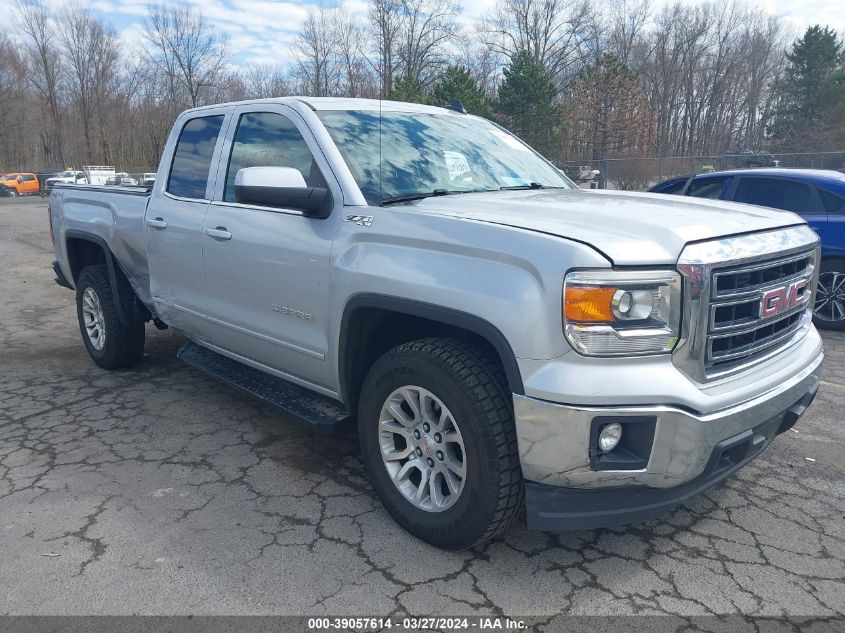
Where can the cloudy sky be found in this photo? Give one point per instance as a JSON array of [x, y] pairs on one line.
[[262, 30]]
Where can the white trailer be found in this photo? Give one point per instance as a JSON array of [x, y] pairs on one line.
[[98, 174]]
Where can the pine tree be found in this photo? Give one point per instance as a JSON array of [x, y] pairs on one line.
[[526, 103], [458, 83], [812, 103], [407, 89]]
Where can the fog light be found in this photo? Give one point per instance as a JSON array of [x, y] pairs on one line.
[[609, 437]]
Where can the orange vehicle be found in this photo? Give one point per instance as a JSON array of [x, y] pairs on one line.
[[22, 183]]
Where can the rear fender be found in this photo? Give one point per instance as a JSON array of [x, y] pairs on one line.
[[127, 307]]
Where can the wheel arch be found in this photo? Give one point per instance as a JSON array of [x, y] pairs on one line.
[[86, 249], [372, 324]]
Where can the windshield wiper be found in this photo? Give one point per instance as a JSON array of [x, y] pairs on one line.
[[530, 185], [422, 195]]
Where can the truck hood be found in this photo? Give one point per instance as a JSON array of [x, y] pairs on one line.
[[628, 228]]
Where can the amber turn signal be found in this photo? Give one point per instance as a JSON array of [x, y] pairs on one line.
[[588, 304]]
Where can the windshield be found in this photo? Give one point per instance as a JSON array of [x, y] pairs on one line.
[[433, 154]]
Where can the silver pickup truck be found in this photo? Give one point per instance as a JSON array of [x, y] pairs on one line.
[[501, 339]]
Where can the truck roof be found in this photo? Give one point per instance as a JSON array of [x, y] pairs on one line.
[[341, 103]]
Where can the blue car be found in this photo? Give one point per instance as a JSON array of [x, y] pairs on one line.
[[816, 195]]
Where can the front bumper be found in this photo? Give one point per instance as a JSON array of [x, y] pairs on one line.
[[689, 452]]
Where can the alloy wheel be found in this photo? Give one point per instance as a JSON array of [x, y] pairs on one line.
[[93, 318], [422, 448], [830, 297]]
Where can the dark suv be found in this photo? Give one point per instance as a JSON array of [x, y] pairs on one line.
[[816, 195]]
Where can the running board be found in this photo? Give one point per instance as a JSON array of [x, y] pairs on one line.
[[319, 412]]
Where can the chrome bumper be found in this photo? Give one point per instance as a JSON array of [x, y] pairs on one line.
[[554, 439]]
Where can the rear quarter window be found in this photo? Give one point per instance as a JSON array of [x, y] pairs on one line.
[[831, 202], [192, 158]]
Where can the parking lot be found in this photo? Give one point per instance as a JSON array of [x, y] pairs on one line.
[[160, 491]]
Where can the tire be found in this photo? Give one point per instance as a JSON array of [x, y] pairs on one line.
[[470, 387], [110, 343], [829, 311]]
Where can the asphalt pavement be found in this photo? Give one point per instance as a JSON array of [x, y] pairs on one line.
[[157, 490]]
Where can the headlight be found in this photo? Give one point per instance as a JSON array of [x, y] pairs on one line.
[[622, 313]]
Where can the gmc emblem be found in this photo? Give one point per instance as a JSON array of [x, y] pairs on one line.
[[779, 300]]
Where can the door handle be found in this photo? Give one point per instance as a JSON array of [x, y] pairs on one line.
[[157, 223], [220, 233]]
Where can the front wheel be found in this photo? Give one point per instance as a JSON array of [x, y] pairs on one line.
[[436, 428], [829, 311], [110, 343]]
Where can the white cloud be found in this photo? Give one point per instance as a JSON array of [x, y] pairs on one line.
[[121, 7], [263, 30]]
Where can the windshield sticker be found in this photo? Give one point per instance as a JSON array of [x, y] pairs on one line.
[[457, 164]]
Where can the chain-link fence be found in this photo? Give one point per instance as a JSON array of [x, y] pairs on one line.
[[638, 174]]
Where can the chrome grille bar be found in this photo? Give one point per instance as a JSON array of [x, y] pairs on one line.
[[769, 273], [739, 340], [745, 299]]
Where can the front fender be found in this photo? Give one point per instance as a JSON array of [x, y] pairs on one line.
[[510, 279]]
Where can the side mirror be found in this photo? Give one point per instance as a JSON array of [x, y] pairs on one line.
[[281, 187]]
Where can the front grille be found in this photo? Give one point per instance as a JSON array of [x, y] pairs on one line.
[[739, 328], [733, 282]]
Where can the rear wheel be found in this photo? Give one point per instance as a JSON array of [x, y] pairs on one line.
[[829, 311], [110, 343], [437, 434]]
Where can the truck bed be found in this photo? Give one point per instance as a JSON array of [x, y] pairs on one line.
[[113, 214]]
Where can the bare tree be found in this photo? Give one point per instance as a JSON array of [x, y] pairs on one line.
[[628, 20], [315, 49], [263, 81], [349, 36], [46, 71], [385, 18], [428, 28], [92, 53], [16, 107], [481, 62], [181, 44], [553, 31]]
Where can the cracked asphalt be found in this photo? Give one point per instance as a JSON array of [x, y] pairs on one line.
[[160, 491]]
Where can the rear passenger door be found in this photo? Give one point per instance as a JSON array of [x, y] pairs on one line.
[[784, 194], [174, 220]]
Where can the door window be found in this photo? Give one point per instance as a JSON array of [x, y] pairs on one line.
[[192, 159], [776, 193], [707, 188], [267, 139]]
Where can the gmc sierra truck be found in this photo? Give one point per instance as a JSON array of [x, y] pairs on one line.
[[501, 339]]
